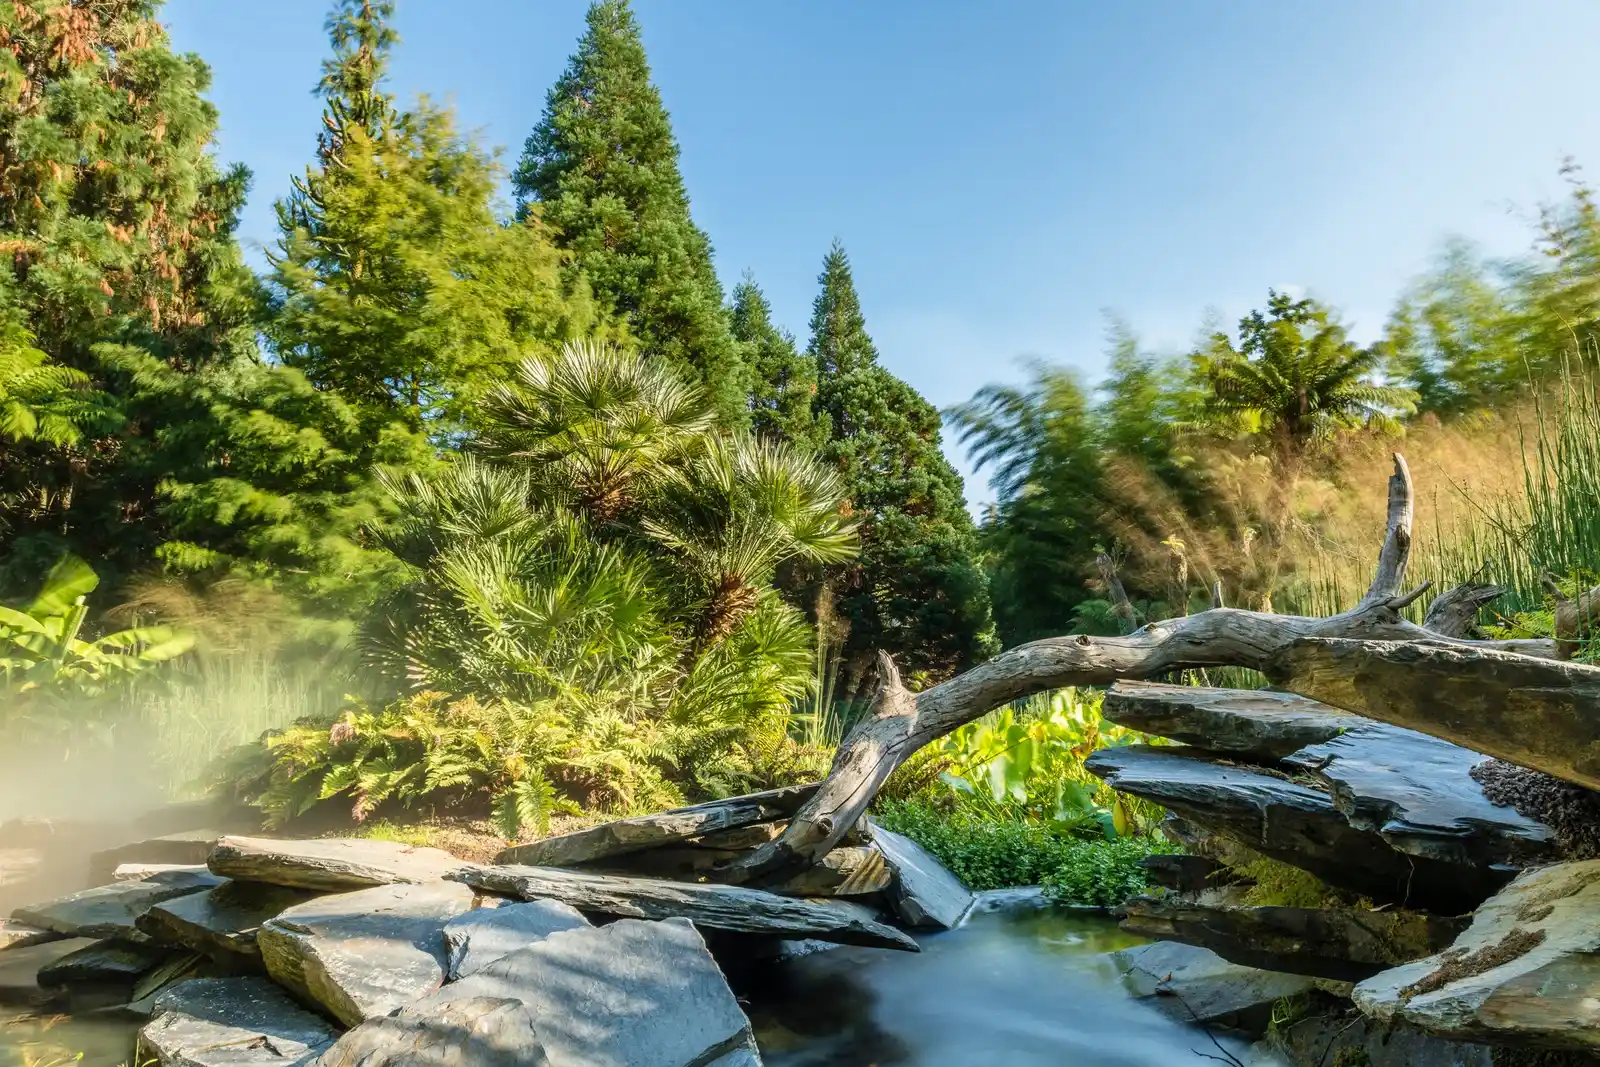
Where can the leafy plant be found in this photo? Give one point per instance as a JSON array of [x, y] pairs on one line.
[[1103, 873]]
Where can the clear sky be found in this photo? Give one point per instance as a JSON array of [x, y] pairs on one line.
[[1004, 172]]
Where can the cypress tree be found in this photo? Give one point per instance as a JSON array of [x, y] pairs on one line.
[[602, 169], [917, 590], [783, 381]]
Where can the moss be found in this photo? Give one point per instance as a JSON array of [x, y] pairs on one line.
[[1280, 885], [1454, 964]]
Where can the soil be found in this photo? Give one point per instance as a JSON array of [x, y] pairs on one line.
[[1572, 811], [1455, 965]]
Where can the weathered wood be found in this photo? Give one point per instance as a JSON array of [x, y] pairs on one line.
[[1575, 617], [1454, 612], [900, 722], [1259, 723], [1342, 944], [844, 872], [717, 907], [624, 836], [1538, 713], [1121, 606]]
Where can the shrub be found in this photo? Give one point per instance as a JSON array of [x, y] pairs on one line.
[[1103, 873]]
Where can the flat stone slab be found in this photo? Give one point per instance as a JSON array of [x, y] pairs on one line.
[[629, 994], [231, 1022], [635, 835], [1293, 823], [104, 962], [182, 849], [1332, 1034], [111, 910], [466, 1032], [1259, 723], [718, 907], [329, 864], [17, 934], [1342, 944], [1193, 984], [133, 872], [1419, 794], [1526, 972], [20, 967], [483, 935], [221, 922], [924, 894], [364, 954]]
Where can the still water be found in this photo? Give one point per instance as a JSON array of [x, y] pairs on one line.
[[1019, 985]]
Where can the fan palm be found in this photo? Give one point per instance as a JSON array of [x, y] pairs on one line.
[[595, 427], [1296, 377]]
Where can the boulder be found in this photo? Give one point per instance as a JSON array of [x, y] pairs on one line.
[[17, 934], [328, 864], [630, 994], [1419, 794], [364, 954], [111, 910], [231, 1022], [1342, 944], [483, 935], [1526, 972], [103, 963], [20, 967], [1293, 823], [1194, 985], [1259, 723], [924, 893], [1331, 1034], [719, 907], [188, 848], [221, 922], [649, 831], [466, 1032]]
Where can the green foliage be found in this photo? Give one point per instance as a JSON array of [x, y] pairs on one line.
[[601, 168], [1275, 884], [783, 380], [1104, 873]]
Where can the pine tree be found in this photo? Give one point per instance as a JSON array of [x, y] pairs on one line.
[[602, 170], [917, 591], [394, 282], [783, 381]]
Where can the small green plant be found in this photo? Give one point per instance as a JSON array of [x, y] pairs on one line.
[[1103, 873]]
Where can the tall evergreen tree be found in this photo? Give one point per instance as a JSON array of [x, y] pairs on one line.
[[917, 590], [602, 168], [394, 283], [783, 381]]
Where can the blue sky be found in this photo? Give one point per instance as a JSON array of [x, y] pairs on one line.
[[1003, 173]]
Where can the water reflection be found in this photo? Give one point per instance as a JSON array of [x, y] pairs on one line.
[[1018, 986]]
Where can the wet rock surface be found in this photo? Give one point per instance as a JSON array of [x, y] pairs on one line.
[[112, 910], [924, 894], [103, 962], [1193, 984], [222, 922], [328, 864], [367, 953], [20, 967], [231, 1022]]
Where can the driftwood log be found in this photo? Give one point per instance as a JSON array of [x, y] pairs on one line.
[[900, 722]]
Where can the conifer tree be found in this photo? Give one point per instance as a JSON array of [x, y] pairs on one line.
[[917, 591], [783, 381], [602, 169]]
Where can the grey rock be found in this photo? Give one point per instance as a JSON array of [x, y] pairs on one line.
[[1186, 874], [103, 962], [17, 934], [111, 910], [924, 893], [1419, 794], [483, 935], [1342, 944], [1293, 823], [719, 907], [1333, 1034], [221, 922], [20, 967], [630, 994], [1193, 984], [329, 864], [183, 849], [364, 954], [1259, 723], [469, 1032], [133, 872], [1526, 972], [635, 835], [231, 1022]]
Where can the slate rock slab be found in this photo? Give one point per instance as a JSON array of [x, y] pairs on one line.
[[1293, 823], [20, 967], [466, 1032], [231, 1022], [1342, 944], [1526, 972], [719, 907], [17, 934], [328, 864], [924, 894], [103, 962], [111, 910], [483, 935], [221, 922], [133, 872], [1259, 723], [635, 835], [188, 848], [364, 954], [629, 994], [1419, 794], [1332, 1034], [1193, 984]]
